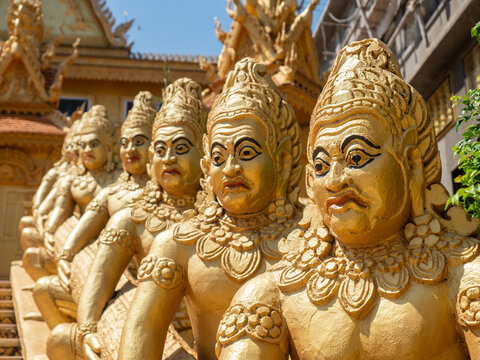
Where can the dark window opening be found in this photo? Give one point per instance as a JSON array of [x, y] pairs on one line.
[[69, 105]]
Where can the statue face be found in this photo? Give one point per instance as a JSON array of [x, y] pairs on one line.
[[176, 159], [242, 170], [93, 151], [134, 145], [359, 184]]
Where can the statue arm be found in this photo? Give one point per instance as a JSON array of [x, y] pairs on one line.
[[115, 250], [44, 209], [45, 186], [241, 334], [63, 207], [160, 290], [90, 224]]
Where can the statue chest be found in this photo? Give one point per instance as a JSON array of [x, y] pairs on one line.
[[208, 286], [417, 325], [145, 240], [82, 196]]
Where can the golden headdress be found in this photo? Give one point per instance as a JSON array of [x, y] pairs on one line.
[[182, 104], [96, 120], [250, 92], [142, 112], [366, 79]]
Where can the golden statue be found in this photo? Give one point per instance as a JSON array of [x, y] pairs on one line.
[[77, 188], [31, 227], [175, 171], [57, 295], [252, 169], [379, 270]]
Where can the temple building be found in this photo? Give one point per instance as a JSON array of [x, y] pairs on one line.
[[432, 42]]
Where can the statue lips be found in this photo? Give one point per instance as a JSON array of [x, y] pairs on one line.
[[132, 158], [89, 157], [235, 185], [171, 171], [339, 203]]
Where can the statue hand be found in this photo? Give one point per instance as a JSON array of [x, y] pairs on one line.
[[63, 269], [91, 347]]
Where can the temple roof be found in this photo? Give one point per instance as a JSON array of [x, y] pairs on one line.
[[28, 124]]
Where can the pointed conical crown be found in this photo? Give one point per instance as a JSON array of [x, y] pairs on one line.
[[142, 113], [96, 120], [249, 92], [182, 104], [366, 79]]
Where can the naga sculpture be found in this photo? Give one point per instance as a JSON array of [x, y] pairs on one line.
[[380, 269], [96, 142], [57, 295], [31, 227], [252, 169], [175, 171]]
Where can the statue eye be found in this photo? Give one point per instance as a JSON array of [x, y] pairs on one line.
[[94, 143], [124, 142], [160, 150], [138, 141], [321, 167], [217, 158], [181, 149], [248, 153], [358, 158]]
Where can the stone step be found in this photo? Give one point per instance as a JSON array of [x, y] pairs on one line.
[[6, 304], [7, 316], [5, 293], [15, 342]]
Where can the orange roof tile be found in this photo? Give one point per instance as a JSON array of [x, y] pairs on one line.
[[27, 124]]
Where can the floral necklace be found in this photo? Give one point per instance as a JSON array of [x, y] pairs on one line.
[[89, 181], [126, 184], [355, 275], [159, 210], [240, 242]]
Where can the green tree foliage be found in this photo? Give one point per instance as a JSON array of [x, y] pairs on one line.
[[467, 150]]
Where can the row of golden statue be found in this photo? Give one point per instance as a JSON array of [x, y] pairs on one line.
[[201, 236]]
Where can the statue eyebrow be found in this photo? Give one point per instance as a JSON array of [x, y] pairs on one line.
[[349, 139], [183, 138], [237, 144], [216, 143], [317, 150]]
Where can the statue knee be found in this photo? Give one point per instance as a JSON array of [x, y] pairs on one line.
[[61, 342], [26, 221], [30, 237], [33, 264]]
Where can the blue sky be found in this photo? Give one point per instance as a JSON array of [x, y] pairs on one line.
[[177, 26]]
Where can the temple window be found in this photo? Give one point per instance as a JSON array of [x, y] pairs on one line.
[[68, 105], [440, 108]]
